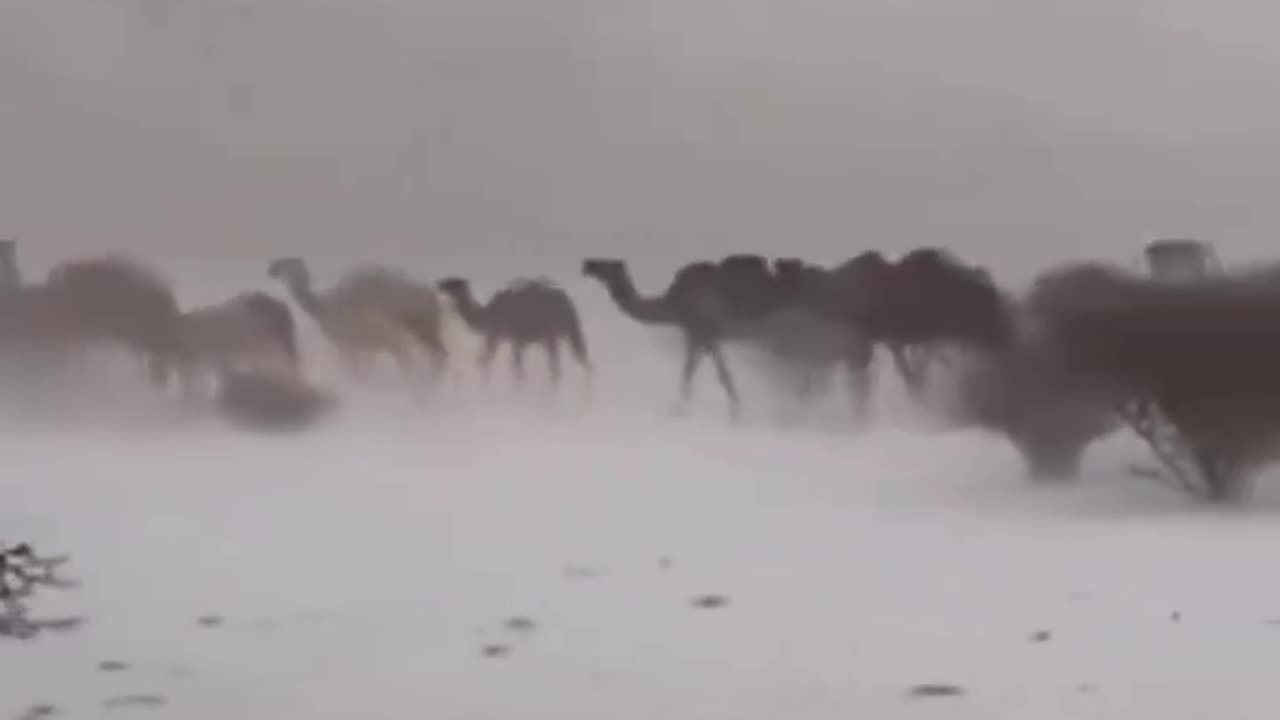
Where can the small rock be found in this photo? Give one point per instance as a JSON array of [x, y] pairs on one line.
[[135, 700], [113, 666], [1175, 616], [520, 624], [1085, 688], [709, 601], [1041, 636], [495, 651], [666, 563], [210, 620], [37, 712], [930, 690]]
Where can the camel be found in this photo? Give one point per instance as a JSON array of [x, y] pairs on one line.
[[736, 299], [528, 311], [252, 331], [115, 299], [359, 328], [930, 298], [414, 305], [860, 293]]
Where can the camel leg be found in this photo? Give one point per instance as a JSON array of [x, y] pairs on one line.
[[580, 355], [857, 363], [726, 382], [552, 346], [403, 357], [517, 362], [484, 360], [912, 376], [439, 356], [693, 353]]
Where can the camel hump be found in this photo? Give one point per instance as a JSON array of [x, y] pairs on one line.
[[384, 287], [116, 281], [692, 277], [533, 283], [745, 263]]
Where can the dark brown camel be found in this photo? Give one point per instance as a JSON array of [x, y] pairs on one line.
[[861, 293], [686, 305], [1015, 386], [738, 298], [115, 299], [528, 311]]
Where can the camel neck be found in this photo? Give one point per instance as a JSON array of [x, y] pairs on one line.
[[473, 313], [641, 309], [305, 296]]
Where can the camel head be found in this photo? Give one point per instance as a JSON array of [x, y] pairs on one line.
[[456, 288], [606, 270], [290, 270]]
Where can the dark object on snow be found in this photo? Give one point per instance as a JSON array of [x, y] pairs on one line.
[[520, 624], [135, 700], [271, 402], [1041, 636], [934, 690], [39, 711], [22, 571], [110, 666], [495, 651], [710, 601], [209, 620]]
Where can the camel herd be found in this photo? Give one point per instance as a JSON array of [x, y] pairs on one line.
[[1187, 355]]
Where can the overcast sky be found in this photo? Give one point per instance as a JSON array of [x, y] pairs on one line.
[[460, 133]]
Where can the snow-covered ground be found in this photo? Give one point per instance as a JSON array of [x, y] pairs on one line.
[[372, 568]]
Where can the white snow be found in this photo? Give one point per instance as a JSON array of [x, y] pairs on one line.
[[360, 569]]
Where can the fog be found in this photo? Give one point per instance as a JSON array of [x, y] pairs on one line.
[[448, 133], [368, 567]]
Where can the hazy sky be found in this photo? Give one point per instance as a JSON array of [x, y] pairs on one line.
[[459, 133]]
